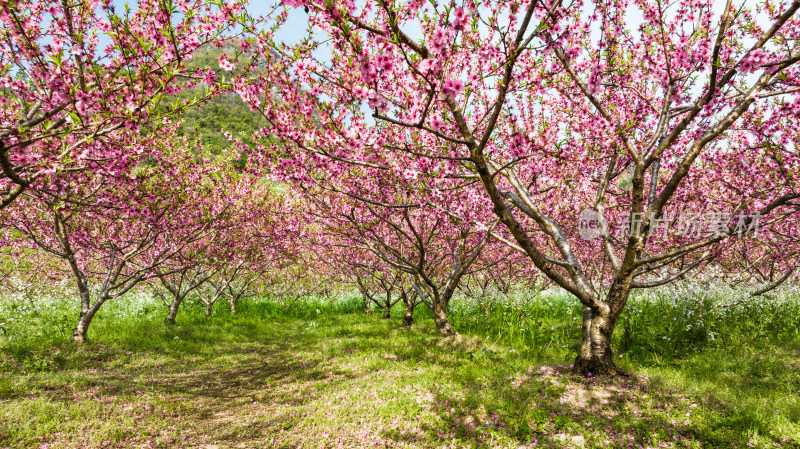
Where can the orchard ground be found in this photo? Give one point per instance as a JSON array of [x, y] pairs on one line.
[[323, 374]]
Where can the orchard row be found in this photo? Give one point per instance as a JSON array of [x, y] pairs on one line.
[[411, 148]]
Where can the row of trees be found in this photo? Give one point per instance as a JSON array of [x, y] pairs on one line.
[[462, 126], [98, 184], [179, 222], [420, 148]]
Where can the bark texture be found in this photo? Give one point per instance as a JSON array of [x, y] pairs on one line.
[[87, 313], [408, 317], [81, 329], [367, 307], [409, 303], [442, 323], [595, 356], [173, 312]]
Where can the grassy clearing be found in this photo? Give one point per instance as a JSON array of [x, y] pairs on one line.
[[324, 375]]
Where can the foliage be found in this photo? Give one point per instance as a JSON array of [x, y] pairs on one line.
[[222, 113]]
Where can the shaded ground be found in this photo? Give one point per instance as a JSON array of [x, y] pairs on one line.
[[342, 381]]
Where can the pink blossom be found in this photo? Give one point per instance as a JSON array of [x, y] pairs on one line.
[[429, 66], [487, 52], [360, 92], [377, 102], [82, 100], [460, 18], [753, 61], [368, 72], [385, 62], [452, 88], [436, 122], [439, 40], [225, 63]]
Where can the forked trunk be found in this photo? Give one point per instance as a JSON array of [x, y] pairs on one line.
[[387, 310], [409, 303], [595, 356], [442, 323], [408, 317], [87, 313], [79, 335], [173, 312]]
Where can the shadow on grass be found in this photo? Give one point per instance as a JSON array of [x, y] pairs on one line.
[[246, 378]]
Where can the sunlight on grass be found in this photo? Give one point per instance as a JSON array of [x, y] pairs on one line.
[[322, 374]]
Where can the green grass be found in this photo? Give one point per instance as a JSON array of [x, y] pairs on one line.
[[322, 374]]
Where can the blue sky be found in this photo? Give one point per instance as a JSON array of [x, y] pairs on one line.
[[296, 25], [294, 29]]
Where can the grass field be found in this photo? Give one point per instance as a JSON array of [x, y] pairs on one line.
[[323, 374]]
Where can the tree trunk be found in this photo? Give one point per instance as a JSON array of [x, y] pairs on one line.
[[440, 318], [595, 356], [408, 317], [87, 313], [409, 303], [367, 306], [209, 308], [173, 312], [232, 303], [387, 311], [79, 335]]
